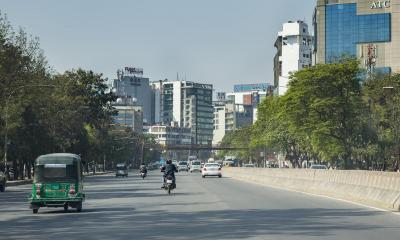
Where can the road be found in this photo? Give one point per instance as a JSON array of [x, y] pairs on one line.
[[210, 208]]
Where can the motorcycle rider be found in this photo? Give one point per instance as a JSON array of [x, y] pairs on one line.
[[143, 169], [169, 170]]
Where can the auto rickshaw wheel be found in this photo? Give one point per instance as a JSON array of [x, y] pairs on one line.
[[35, 210], [79, 208]]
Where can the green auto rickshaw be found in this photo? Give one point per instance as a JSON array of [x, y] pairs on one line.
[[57, 182]]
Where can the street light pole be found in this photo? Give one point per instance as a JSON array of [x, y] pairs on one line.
[[6, 117]]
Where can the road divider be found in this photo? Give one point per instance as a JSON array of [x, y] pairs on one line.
[[29, 181], [377, 189]]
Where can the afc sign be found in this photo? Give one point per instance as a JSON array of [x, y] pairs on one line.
[[380, 4]]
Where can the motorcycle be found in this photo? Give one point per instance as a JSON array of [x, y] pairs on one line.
[[169, 184], [143, 174]]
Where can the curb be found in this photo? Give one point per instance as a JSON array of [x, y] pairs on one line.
[[18, 183]]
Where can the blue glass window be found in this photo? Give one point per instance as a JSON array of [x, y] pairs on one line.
[[345, 29]]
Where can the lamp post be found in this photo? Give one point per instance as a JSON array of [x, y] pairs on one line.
[[6, 116]]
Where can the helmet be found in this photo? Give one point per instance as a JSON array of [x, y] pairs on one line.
[[169, 161]]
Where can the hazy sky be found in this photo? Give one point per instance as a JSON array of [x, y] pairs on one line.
[[222, 42]]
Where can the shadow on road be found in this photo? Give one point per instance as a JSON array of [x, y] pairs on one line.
[[120, 223]]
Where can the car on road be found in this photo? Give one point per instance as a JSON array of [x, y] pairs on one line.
[[122, 170], [3, 180], [58, 182], [211, 169], [318, 166], [183, 166], [249, 165], [195, 167]]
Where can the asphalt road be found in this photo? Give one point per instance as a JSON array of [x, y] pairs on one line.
[[210, 208]]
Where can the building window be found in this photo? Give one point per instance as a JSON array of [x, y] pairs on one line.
[[345, 29]]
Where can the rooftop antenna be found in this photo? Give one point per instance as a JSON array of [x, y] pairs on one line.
[[177, 76]]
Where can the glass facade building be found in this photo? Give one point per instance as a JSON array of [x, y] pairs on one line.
[[364, 29]]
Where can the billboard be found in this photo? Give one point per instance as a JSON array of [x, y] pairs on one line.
[[133, 71]]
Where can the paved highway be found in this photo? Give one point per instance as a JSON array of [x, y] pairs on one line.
[[210, 208]]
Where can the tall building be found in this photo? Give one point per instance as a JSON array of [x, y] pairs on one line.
[[366, 29], [245, 99], [131, 84], [294, 52], [219, 118], [188, 104], [128, 114], [236, 110]]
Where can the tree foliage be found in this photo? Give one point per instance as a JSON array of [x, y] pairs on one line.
[[331, 114]]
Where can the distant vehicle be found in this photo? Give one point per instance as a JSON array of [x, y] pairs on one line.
[[57, 182], [122, 170], [272, 165], [175, 163], [195, 167], [3, 180], [211, 160], [211, 169], [192, 158], [318, 166], [249, 165], [229, 163], [183, 166]]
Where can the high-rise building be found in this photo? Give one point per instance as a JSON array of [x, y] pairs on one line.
[[236, 110], [131, 84], [294, 52], [189, 105], [128, 115], [365, 29]]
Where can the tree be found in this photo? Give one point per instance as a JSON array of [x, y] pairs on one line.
[[325, 103]]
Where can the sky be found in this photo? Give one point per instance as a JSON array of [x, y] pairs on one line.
[[220, 42]]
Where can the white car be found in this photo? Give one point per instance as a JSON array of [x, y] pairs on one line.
[[319, 166], [195, 167], [211, 169], [249, 165]]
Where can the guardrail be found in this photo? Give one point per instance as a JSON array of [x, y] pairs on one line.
[[378, 189]]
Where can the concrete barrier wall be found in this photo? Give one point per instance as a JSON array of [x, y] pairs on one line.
[[378, 189]]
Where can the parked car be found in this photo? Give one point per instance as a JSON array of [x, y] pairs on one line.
[[183, 166], [3, 180], [318, 166], [211, 169]]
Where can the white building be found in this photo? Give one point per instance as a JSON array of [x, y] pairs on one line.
[[219, 122], [294, 45], [171, 135], [186, 103]]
